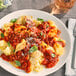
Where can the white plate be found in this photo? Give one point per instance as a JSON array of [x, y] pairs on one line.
[[46, 16]]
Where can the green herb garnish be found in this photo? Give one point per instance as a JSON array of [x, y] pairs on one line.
[[17, 63], [13, 20], [18, 31], [44, 35], [59, 40], [41, 33], [9, 44], [2, 35], [14, 50], [32, 49], [39, 19], [47, 26], [53, 55], [37, 36]]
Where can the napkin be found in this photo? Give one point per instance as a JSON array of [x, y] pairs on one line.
[[68, 70]]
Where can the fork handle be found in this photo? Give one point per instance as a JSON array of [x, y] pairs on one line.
[[74, 55]]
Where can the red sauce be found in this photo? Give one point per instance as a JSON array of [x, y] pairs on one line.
[[50, 61], [24, 60], [40, 33]]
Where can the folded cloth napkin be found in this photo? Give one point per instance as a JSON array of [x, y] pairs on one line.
[[68, 70]]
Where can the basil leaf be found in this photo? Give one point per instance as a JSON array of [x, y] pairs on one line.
[[17, 63], [47, 26], [41, 33], [37, 36], [39, 19], [13, 20], [44, 35], [2, 35], [59, 40], [32, 49], [14, 50], [18, 31], [53, 55], [9, 44]]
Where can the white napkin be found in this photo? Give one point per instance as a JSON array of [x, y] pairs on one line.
[[68, 70]]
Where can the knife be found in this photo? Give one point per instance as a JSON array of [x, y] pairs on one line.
[[74, 49]]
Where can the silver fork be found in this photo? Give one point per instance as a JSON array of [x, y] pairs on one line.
[[74, 49]]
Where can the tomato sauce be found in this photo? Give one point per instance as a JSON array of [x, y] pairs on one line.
[[38, 34], [50, 61], [24, 60]]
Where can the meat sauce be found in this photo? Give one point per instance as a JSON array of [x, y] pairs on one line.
[[24, 60], [49, 61], [40, 33]]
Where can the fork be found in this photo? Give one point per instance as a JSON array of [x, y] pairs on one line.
[[74, 49]]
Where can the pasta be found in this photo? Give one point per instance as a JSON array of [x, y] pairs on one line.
[[7, 50], [3, 44], [21, 45], [31, 44], [59, 49], [36, 58]]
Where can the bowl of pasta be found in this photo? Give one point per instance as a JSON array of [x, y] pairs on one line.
[[33, 43]]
